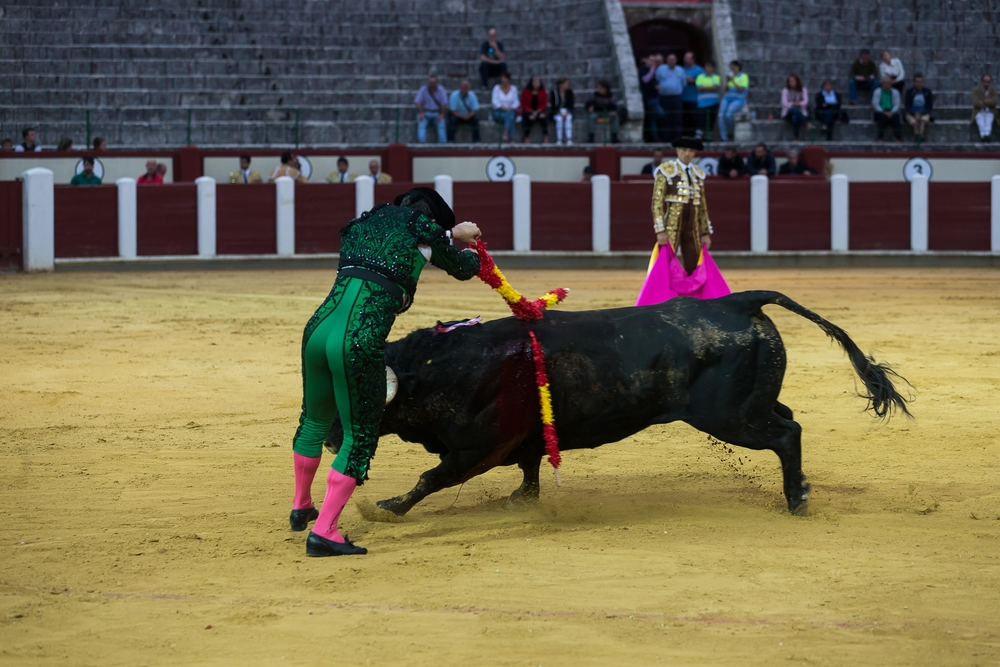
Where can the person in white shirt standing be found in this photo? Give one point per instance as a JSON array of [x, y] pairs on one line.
[[506, 104]]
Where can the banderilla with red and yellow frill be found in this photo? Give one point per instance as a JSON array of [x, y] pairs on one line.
[[526, 310]]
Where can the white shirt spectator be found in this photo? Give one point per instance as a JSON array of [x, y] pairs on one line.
[[893, 68], [20, 148], [508, 100]]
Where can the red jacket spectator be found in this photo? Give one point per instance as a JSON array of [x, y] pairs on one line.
[[527, 94], [152, 175]]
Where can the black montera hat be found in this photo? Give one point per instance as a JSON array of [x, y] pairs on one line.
[[428, 201], [689, 142]]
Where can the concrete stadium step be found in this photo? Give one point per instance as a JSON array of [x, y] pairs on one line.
[[942, 132]]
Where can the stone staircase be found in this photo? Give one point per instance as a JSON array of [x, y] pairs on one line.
[[238, 73], [951, 42]]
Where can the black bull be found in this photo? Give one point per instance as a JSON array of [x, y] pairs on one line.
[[470, 395]]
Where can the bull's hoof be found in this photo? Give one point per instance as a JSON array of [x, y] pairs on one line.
[[332, 448], [392, 505], [522, 497], [800, 506]]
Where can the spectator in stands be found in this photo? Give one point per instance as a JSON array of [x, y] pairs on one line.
[[689, 98], [650, 97], [919, 105], [245, 175], [492, 60], [506, 105], [588, 171], [795, 104], [828, 107], [709, 86], [343, 174], [886, 105], [794, 166], [984, 107], [375, 171], [761, 161], [30, 144], [462, 107], [87, 176], [862, 76], [431, 101], [737, 84], [602, 107], [161, 169], [562, 104], [650, 167], [731, 165], [892, 68], [100, 144], [151, 177], [671, 81], [534, 109], [289, 167], [6, 146], [65, 144]]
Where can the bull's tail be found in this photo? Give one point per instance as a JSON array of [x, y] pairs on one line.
[[883, 399]]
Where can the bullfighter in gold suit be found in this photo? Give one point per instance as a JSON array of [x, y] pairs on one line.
[[245, 173], [680, 212]]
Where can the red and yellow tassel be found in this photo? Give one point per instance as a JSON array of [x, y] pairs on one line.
[[523, 309], [528, 310]]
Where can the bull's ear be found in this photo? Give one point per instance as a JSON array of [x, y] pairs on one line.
[[391, 385]]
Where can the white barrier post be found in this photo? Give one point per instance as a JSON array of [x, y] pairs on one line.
[[284, 191], [38, 220], [364, 194], [995, 214], [206, 216], [918, 213], [600, 216], [521, 186], [127, 235], [758, 213], [840, 206], [443, 186]]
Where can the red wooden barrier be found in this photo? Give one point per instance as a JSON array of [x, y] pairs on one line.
[[86, 221], [561, 216], [631, 216], [799, 215], [10, 226], [245, 220], [729, 211], [167, 219], [879, 216], [959, 216], [321, 209], [489, 205]]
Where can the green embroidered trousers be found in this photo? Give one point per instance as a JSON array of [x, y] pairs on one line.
[[343, 373]]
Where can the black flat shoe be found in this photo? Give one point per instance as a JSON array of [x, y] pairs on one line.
[[299, 519], [320, 546]]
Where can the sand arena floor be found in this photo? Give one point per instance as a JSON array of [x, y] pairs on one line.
[[145, 482]]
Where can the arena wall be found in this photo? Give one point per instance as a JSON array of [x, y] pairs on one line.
[[564, 216]]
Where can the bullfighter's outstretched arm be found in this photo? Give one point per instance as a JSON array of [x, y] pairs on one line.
[[461, 264], [659, 192]]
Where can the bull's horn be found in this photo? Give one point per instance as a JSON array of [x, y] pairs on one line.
[[391, 385]]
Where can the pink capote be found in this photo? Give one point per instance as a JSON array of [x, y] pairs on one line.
[[667, 279]]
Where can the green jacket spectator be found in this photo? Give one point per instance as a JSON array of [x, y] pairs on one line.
[[87, 176]]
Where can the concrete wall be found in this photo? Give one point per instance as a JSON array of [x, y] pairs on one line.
[[219, 168], [473, 168], [63, 169]]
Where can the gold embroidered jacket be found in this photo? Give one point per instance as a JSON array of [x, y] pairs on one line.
[[236, 177], [671, 191]]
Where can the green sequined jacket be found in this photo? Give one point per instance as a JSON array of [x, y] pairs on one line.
[[387, 240]]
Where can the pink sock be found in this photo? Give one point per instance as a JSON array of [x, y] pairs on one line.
[[305, 471], [339, 488]]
